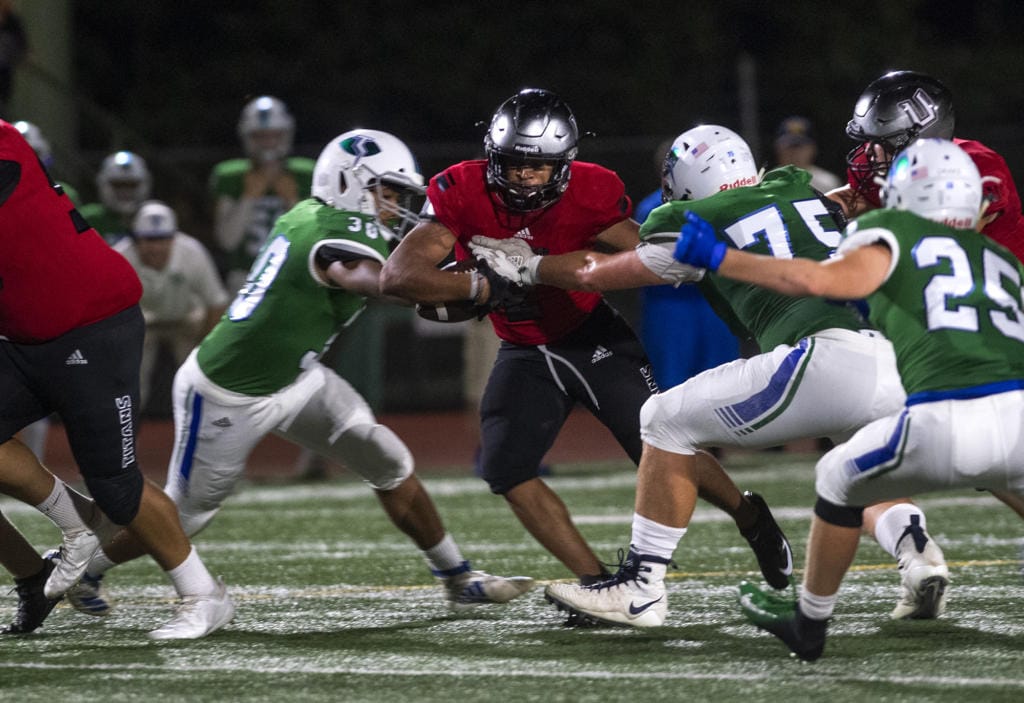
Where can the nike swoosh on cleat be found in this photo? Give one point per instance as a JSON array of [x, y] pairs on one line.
[[635, 610], [788, 570]]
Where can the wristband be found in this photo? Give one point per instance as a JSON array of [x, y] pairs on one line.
[[475, 285], [530, 273]]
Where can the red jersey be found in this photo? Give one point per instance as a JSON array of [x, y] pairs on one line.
[[999, 190], [56, 273], [594, 201]]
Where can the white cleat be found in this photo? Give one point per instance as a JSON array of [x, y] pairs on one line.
[[198, 616], [630, 597], [471, 588], [924, 577], [70, 561]]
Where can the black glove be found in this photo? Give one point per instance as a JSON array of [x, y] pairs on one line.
[[504, 293]]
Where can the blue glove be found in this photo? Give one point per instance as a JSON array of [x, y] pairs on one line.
[[697, 244]]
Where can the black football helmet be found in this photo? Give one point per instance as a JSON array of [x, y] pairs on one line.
[[532, 126], [892, 112]]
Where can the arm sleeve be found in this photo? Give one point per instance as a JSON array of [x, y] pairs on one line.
[[327, 251]]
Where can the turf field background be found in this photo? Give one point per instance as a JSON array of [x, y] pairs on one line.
[[335, 605]]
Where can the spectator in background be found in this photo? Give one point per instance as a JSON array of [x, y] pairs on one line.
[[252, 192], [13, 48], [667, 309], [123, 184], [182, 294], [795, 145]]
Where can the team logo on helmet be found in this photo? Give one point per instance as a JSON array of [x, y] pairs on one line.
[[360, 146], [920, 108]]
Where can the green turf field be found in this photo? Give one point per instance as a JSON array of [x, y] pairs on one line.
[[333, 604]]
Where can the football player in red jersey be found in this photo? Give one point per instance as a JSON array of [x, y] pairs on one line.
[[892, 112], [559, 347], [70, 342]]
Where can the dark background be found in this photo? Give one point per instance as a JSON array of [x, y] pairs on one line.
[[168, 79]]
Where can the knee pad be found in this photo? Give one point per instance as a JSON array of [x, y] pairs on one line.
[[657, 427], [118, 496], [376, 453], [841, 515]]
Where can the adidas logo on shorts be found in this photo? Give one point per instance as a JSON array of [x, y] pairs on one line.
[[599, 353], [76, 359]]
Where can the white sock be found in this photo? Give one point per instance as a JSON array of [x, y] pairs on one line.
[[94, 518], [890, 525], [444, 556], [653, 538], [815, 606], [190, 577], [60, 508]]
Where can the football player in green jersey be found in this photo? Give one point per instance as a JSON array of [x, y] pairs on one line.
[[822, 371], [949, 298], [251, 193], [123, 183], [258, 371]]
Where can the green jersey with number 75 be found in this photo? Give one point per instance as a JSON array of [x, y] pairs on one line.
[[782, 216]]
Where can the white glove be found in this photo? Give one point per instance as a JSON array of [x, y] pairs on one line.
[[510, 258]]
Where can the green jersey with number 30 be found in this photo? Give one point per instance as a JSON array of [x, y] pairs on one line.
[[782, 217], [951, 305], [284, 316]]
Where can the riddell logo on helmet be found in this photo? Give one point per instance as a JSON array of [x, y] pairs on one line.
[[739, 183], [527, 148], [959, 222]]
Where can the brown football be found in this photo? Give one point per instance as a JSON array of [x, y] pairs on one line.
[[452, 310]]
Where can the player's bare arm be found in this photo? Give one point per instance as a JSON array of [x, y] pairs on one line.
[[411, 271], [562, 270], [622, 236], [602, 272], [852, 276], [360, 276], [852, 203]]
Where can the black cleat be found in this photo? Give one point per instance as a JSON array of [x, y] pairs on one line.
[[804, 636], [33, 605], [770, 545]]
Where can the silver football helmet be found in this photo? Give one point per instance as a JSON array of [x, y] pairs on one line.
[[893, 111], [532, 126], [123, 182], [705, 160], [266, 129], [936, 179], [34, 136], [355, 167]]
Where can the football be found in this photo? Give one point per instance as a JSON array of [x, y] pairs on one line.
[[452, 310]]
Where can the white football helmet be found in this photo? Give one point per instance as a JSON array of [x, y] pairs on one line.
[[354, 166], [266, 129], [154, 219], [936, 179], [34, 136], [123, 182], [705, 160]]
